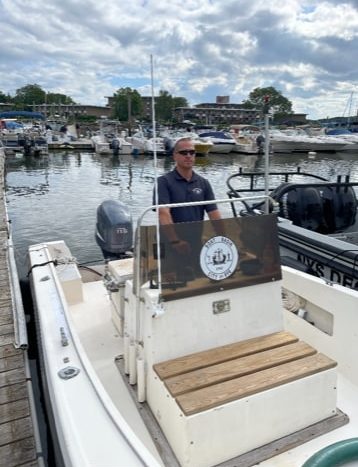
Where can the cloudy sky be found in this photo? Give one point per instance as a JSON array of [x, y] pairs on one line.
[[87, 49]]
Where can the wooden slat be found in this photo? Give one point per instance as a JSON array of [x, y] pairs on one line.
[[221, 354], [14, 410], [213, 396], [13, 392], [9, 351], [236, 368], [11, 362], [15, 430], [18, 453], [12, 376]]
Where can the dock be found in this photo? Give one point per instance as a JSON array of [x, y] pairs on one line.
[[79, 145], [19, 440]]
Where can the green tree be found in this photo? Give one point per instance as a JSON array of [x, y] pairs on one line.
[[29, 95], [277, 102], [127, 103], [180, 102], [165, 103], [164, 106], [5, 98], [57, 98]]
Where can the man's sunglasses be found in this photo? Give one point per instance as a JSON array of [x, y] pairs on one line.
[[187, 152]]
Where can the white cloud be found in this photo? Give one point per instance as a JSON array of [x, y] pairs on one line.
[[87, 49]]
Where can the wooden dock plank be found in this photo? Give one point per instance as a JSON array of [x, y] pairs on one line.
[[213, 396], [11, 362], [250, 364], [17, 453], [14, 410], [15, 430], [221, 354], [17, 441], [12, 376], [9, 351], [13, 392]]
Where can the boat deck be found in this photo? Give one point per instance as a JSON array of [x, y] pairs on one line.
[[104, 347], [94, 325]]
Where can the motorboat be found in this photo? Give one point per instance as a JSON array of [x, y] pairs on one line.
[[297, 140], [120, 146], [202, 147], [100, 144], [155, 144], [342, 133], [111, 143], [249, 139], [143, 145], [219, 358], [317, 220], [223, 142]]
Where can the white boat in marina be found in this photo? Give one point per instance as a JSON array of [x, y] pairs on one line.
[[223, 142], [246, 145], [120, 146], [350, 138], [155, 144], [297, 140], [100, 144], [196, 362], [249, 139], [202, 147], [143, 145]]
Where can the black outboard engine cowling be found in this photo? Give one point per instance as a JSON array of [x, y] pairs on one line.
[[114, 229]]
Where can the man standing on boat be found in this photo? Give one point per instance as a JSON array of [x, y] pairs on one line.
[[183, 185]]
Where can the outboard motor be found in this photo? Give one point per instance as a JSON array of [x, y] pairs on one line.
[[115, 146], [340, 208], [302, 205], [114, 229]]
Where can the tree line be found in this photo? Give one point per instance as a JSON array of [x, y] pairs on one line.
[[128, 103]]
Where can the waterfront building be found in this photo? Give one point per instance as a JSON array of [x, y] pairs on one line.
[[74, 110], [220, 112]]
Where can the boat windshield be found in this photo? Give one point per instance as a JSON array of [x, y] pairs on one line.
[[211, 256]]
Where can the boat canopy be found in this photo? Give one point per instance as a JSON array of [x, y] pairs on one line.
[[22, 113], [339, 131], [215, 134]]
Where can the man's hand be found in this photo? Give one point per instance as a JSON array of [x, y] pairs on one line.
[[181, 246]]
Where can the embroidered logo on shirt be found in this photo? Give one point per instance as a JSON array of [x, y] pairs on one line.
[[197, 191]]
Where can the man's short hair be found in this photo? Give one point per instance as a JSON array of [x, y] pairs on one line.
[[180, 141]]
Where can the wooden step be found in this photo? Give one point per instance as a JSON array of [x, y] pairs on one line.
[[227, 391], [236, 368], [225, 353]]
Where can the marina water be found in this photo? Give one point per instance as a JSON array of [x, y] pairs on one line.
[[56, 197]]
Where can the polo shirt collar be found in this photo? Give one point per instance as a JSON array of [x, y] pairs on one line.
[[180, 177]]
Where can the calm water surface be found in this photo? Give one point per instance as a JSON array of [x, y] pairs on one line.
[[56, 197]]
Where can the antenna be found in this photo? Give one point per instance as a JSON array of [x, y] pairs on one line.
[[156, 179]]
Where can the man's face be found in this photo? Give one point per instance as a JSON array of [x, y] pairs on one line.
[[184, 155]]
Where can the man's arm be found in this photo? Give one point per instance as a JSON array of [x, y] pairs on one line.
[[214, 215], [168, 227], [165, 217]]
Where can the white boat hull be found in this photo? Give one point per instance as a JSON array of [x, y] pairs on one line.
[[84, 329]]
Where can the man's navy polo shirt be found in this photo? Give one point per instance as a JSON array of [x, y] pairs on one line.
[[173, 188]]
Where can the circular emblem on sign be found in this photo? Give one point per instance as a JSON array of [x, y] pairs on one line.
[[219, 258]]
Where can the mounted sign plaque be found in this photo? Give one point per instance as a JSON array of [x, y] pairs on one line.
[[211, 256]]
